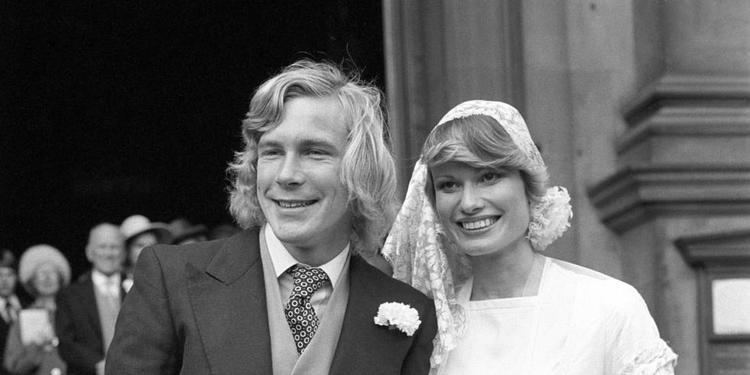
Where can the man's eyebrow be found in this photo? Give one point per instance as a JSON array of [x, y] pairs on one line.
[[304, 143], [319, 142], [268, 143]]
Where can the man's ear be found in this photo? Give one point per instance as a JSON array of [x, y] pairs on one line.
[[89, 252]]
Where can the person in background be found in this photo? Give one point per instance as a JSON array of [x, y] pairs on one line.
[[477, 215], [87, 309], [184, 232], [9, 303], [140, 232], [32, 343]]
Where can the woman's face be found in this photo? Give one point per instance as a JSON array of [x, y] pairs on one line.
[[484, 210], [139, 243], [46, 280]]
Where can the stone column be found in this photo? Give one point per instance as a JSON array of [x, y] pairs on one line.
[[683, 161], [440, 53]]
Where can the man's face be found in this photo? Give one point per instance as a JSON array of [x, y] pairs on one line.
[[299, 188], [7, 281], [106, 250]]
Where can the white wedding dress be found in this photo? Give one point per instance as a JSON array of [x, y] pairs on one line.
[[581, 323]]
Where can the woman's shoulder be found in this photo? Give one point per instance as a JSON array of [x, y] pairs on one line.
[[598, 289]]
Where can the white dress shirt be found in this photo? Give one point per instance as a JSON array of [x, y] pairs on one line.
[[10, 313], [107, 285], [282, 260]]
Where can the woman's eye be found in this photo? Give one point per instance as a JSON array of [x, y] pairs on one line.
[[447, 186], [490, 177]]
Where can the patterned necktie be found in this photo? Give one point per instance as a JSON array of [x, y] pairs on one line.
[[299, 311]]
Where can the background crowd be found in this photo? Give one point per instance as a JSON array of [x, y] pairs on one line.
[[50, 325]]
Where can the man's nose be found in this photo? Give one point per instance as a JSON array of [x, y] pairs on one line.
[[289, 173]]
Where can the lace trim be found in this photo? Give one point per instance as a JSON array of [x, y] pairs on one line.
[[657, 360]]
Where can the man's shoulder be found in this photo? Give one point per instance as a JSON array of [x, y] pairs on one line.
[[82, 283], [384, 284], [200, 254], [80, 286]]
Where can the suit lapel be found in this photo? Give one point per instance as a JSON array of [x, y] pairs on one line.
[[363, 346], [229, 304], [88, 298]]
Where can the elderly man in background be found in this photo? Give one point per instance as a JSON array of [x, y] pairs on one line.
[[87, 310]]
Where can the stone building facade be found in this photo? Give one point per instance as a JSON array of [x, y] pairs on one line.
[[641, 108]]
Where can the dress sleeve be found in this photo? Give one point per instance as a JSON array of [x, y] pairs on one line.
[[20, 359], [633, 339]]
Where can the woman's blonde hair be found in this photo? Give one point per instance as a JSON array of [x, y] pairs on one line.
[[481, 142], [367, 168]]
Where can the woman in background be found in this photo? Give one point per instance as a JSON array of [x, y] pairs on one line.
[[32, 344], [476, 218]]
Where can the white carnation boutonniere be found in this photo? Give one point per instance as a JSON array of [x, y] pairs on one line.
[[395, 315]]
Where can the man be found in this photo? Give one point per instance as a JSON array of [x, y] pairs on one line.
[[87, 310], [314, 187], [9, 304]]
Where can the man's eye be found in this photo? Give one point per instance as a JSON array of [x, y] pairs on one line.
[[317, 152], [268, 152]]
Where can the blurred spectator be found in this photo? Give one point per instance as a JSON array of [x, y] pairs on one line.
[[140, 232], [183, 232], [32, 344], [87, 309], [9, 304], [222, 231]]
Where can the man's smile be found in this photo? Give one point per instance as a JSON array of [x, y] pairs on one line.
[[294, 203]]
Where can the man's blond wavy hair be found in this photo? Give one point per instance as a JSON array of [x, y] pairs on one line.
[[367, 168]]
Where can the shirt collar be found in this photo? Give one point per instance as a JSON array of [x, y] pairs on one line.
[[102, 281], [282, 260], [11, 300]]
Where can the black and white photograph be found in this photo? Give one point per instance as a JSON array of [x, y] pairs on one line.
[[405, 187]]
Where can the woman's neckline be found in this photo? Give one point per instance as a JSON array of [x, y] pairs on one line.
[[465, 291]]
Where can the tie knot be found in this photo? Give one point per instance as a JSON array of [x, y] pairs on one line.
[[307, 279]]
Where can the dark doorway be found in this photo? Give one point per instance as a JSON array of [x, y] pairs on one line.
[[112, 108]]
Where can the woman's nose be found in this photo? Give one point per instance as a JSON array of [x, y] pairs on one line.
[[471, 202]]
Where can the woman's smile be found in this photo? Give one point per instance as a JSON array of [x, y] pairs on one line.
[[477, 225]]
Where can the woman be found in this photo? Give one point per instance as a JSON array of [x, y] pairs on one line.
[[139, 233], [32, 344], [475, 220]]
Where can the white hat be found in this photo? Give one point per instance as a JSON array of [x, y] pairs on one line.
[[138, 224], [38, 254]]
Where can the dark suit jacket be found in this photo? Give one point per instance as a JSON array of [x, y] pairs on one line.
[[4, 328], [78, 327], [201, 309]]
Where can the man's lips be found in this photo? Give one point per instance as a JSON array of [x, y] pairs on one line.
[[286, 203]]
